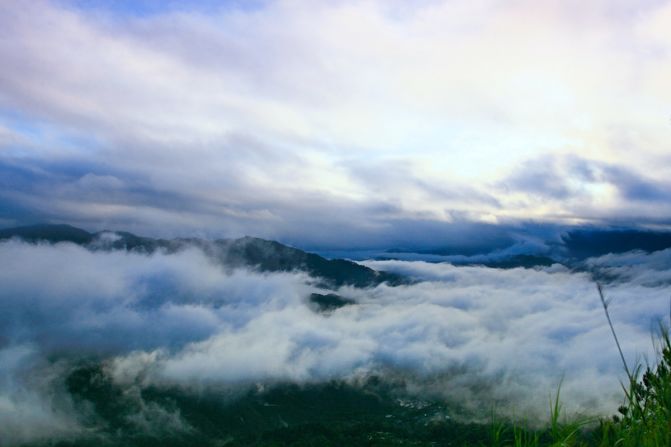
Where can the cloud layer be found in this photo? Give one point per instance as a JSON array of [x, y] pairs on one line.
[[467, 334], [331, 123]]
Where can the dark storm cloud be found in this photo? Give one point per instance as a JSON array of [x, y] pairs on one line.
[[541, 177], [395, 177], [566, 177], [571, 181], [636, 187], [46, 190], [100, 196]]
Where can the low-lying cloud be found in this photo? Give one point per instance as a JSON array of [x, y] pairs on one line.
[[33, 406], [471, 334]]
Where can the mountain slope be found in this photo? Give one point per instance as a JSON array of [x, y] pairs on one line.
[[49, 233], [248, 252]]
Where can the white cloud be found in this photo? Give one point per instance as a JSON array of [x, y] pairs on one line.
[[178, 319], [468, 334]]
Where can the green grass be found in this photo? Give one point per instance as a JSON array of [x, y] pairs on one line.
[[643, 421]]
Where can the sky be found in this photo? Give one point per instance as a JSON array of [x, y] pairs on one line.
[[335, 124]]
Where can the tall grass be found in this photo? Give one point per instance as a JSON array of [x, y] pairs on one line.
[[560, 431], [644, 420]]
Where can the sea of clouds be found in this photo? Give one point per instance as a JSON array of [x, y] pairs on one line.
[[474, 335]]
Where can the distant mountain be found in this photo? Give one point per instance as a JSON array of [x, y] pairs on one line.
[[249, 252], [586, 243], [270, 256], [49, 233], [573, 247]]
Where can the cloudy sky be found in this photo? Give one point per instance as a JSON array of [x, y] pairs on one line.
[[334, 123]]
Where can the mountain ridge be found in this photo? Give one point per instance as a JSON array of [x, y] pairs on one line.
[[246, 252]]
